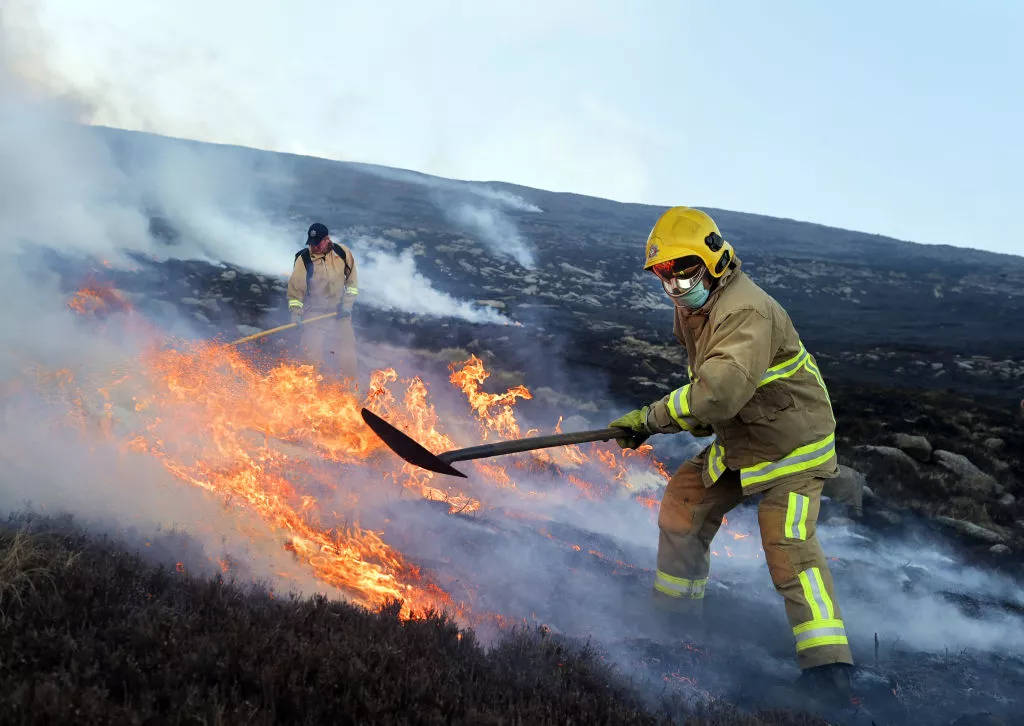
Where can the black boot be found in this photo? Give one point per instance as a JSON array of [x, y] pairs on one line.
[[830, 681], [827, 687], [683, 617]]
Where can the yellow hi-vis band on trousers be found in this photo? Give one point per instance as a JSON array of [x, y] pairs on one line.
[[825, 628], [815, 633], [293, 303], [796, 516], [679, 586], [815, 594], [352, 290]]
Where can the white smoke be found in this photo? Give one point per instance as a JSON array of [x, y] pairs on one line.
[[90, 194], [480, 210], [914, 590], [64, 187], [61, 187], [392, 282], [897, 587], [211, 196], [56, 187], [493, 228], [508, 199], [585, 568]]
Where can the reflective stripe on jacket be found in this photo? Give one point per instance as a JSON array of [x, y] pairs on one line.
[[328, 286], [754, 385]]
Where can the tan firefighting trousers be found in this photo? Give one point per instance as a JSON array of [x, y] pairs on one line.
[[690, 516], [330, 345]]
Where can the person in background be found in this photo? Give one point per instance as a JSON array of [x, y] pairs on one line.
[[324, 280]]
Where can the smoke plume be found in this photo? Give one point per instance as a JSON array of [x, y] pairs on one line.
[[478, 209], [392, 282], [71, 189], [74, 198]]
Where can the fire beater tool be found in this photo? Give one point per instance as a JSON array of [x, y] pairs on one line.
[[279, 328], [414, 453]]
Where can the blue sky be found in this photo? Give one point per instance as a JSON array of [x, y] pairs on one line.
[[901, 118]]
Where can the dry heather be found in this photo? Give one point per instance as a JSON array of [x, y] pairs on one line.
[[92, 633]]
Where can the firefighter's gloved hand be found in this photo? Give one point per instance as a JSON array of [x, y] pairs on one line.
[[636, 422]]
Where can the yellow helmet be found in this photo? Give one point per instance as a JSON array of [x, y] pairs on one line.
[[683, 232]]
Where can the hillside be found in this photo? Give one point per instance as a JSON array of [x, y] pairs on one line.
[[874, 309], [925, 373], [886, 318]]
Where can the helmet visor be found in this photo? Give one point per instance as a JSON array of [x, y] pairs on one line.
[[681, 275]]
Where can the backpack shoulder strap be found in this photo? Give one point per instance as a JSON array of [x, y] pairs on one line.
[[307, 262], [340, 252]]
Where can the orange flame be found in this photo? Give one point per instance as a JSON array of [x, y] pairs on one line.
[[277, 439], [98, 298], [494, 410]]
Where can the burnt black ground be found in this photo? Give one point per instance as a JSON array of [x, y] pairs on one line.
[[744, 646]]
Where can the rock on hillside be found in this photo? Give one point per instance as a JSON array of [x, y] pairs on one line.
[[974, 491]]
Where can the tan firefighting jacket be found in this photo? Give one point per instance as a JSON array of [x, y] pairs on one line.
[[752, 384], [325, 286]]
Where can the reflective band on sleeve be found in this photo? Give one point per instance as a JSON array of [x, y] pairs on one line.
[[815, 633], [679, 586], [796, 516], [352, 290], [816, 595], [716, 460], [801, 459], [679, 409], [786, 368], [816, 372], [295, 303]]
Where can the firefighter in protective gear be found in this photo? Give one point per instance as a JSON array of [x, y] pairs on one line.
[[756, 388], [324, 279]]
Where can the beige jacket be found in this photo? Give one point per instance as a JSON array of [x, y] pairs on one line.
[[325, 287], [754, 385]]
